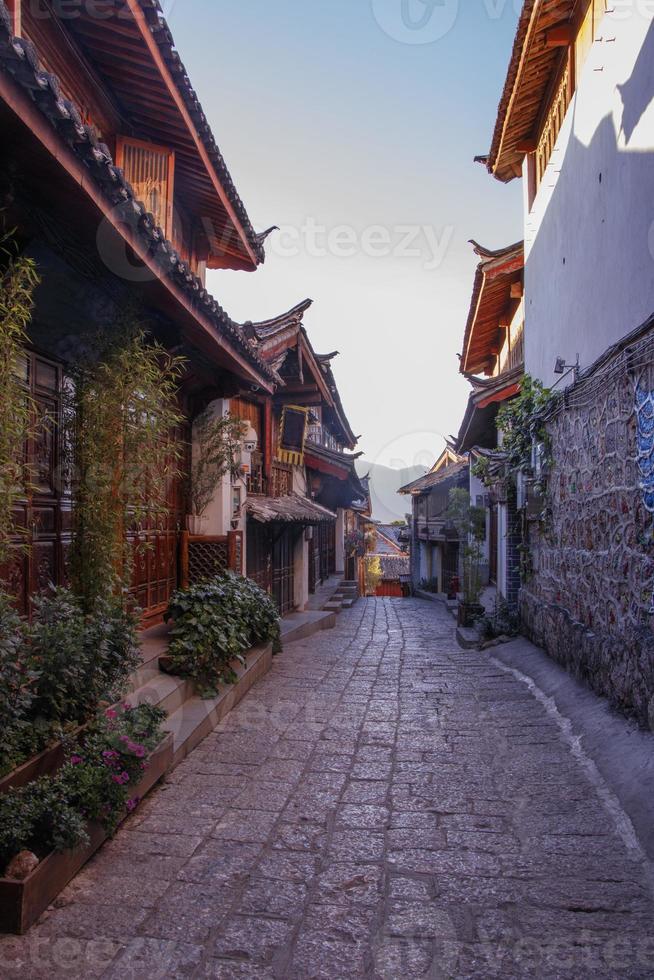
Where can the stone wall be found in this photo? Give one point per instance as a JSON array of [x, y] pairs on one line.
[[590, 600]]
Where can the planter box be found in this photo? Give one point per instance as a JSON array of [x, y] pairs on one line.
[[44, 764], [22, 902]]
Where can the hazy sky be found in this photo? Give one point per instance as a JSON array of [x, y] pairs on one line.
[[353, 125]]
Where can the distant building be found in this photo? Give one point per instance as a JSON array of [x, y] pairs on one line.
[[435, 548]]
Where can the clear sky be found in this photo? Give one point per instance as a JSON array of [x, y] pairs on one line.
[[353, 125]]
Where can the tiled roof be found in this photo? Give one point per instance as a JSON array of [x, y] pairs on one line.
[[431, 480], [491, 292], [395, 566], [291, 509], [166, 44], [19, 58]]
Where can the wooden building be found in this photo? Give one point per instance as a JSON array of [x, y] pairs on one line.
[[435, 546], [493, 362], [117, 189], [303, 479]]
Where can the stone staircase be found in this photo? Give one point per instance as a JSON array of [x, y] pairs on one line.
[[345, 597], [190, 718]]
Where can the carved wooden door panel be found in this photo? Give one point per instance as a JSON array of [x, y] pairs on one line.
[[42, 521], [156, 559]]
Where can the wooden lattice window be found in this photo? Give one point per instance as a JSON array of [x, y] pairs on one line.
[[150, 170]]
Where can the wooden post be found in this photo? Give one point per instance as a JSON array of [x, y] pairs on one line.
[[15, 14], [183, 560], [235, 551]]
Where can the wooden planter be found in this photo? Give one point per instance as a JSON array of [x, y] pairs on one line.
[[44, 764], [22, 902]]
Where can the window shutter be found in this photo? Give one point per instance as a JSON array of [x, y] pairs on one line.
[[150, 171]]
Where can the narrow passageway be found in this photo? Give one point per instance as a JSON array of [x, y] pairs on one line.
[[380, 805]]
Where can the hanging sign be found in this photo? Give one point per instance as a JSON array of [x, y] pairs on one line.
[[292, 435]]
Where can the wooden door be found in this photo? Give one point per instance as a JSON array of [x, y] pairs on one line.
[[43, 519], [259, 554], [156, 543], [283, 570]]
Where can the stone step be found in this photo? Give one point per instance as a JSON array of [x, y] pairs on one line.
[[333, 606], [164, 691], [300, 625], [197, 717], [348, 603]]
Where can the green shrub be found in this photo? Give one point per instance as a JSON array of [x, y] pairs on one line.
[[81, 659], [18, 682], [55, 671], [429, 585], [214, 623], [96, 783]]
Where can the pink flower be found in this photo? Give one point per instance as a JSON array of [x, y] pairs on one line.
[[76, 760], [124, 777], [132, 804], [145, 765], [124, 738], [111, 714], [118, 779], [139, 751]]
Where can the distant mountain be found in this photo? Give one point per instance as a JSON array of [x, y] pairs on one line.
[[387, 504]]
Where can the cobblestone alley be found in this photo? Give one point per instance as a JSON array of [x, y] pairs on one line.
[[380, 805]]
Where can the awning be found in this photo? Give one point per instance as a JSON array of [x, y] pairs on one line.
[[291, 509]]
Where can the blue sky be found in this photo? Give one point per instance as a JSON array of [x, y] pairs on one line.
[[341, 126]]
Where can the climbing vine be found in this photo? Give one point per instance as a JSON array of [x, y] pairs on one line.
[[121, 416], [18, 280], [519, 420]]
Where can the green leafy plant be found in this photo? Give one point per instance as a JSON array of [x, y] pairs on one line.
[[121, 416], [18, 681], [429, 585], [95, 784], [82, 658], [214, 623], [470, 523], [519, 421], [56, 670], [18, 281], [217, 441]]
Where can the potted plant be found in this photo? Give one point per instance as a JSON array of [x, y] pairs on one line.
[[217, 442], [470, 523]]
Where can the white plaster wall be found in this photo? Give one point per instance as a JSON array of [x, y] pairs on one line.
[[589, 238], [340, 542], [219, 511]]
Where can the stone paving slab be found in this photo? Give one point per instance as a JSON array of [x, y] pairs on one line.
[[381, 805]]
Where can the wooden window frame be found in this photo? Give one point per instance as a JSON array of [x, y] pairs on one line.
[[132, 141]]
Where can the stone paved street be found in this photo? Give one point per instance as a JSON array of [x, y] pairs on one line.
[[381, 805]]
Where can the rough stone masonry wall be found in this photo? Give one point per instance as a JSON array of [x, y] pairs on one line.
[[590, 601]]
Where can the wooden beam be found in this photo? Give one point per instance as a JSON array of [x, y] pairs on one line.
[[560, 37], [529, 145], [200, 327], [517, 290], [16, 12], [155, 54]]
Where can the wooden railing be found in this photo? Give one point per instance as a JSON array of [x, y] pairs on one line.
[[279, 484]]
